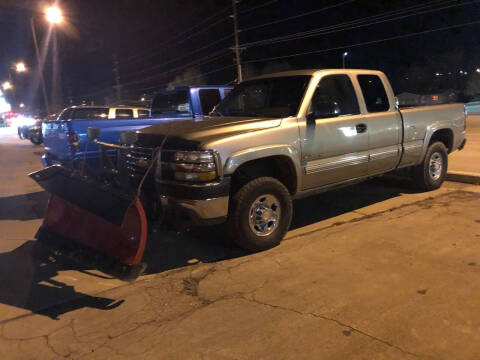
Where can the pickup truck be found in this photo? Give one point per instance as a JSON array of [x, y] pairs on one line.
[[66, 141], [284, 136]]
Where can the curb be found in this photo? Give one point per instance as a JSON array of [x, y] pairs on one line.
[[463, 177]]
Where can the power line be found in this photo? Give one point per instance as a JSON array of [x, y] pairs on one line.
[[186, 79], [180, 57], [299, 15], [364, 43], [202, 61], [257, 7], [161, 45], [338, 28]]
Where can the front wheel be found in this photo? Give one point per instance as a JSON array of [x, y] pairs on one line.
[[430, 174], [36, 139], [260, 214]]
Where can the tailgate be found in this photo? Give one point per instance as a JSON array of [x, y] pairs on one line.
[[55, 138]]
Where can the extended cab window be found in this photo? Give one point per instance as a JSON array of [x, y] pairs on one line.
[[90, 113], [208, 98], [374, 93], [171, 103], [124, 113], [143, 113], [334, 96]]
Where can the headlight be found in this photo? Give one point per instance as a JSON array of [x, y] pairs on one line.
[[194, 166], [194, 156]]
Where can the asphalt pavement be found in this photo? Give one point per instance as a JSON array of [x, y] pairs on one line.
[[373, 271]]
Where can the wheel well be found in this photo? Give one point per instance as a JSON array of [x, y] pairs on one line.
[[445, 136], [278, 167]]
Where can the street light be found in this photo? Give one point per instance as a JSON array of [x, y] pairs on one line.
[[344, 55], [20, 67], [53, 15], [7, 85]]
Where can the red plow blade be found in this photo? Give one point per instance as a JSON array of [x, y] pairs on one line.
[[107, 227]]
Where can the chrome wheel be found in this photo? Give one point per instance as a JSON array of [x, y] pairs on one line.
[[435, 166], [264, 215]]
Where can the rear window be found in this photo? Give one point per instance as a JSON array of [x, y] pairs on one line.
[[124, 113], [171, 103], [143, 113], [209, 98], [90, 113], [374, 93]]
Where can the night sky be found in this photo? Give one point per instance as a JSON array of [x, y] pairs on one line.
[[156, 42]]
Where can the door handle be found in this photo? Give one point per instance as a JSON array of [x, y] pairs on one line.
[[361, 128]]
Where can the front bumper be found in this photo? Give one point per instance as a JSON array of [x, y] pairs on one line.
[[189, 212], [195, 205], [462, 145]]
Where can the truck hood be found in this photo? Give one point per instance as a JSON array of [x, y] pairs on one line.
[[191, 135]]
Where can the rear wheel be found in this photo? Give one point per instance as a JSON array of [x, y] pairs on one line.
[[260, 214], [430, 174]]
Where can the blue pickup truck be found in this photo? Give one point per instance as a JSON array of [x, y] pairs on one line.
[[66, 139]]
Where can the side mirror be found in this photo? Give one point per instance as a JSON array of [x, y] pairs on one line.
[[311, 118], [325, 109], [93, 133], [128, 137]]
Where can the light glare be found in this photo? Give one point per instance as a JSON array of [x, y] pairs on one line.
[[20, 67], [53, 15]]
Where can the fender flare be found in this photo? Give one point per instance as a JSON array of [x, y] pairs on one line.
[[235, 160], [431, 129]]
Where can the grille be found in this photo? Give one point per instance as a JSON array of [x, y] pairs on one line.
[[137, 161]]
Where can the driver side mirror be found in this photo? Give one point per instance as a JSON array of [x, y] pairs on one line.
[[323, 110]]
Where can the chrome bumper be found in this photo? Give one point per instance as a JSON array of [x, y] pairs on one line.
[[197, 212]]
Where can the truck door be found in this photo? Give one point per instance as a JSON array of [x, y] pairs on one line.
[[335, 137], [384, 125]]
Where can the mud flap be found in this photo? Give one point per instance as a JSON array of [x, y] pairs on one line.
[[106, 225]]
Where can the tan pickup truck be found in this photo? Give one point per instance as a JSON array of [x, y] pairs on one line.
[[288, 135]]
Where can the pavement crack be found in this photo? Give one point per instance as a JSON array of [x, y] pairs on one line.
[[192, 282], [339, 323]]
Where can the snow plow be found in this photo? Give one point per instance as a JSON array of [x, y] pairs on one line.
[[95, 220]]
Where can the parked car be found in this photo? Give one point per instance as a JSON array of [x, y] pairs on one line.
[[273, 139], [66, 138], [473, 108], [31, 129]]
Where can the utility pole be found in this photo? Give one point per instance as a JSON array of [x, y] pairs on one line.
[[117, 86], [40, 65], [237, 48]]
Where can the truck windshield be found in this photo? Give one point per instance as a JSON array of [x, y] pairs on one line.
[[171, 103], [269, 97]]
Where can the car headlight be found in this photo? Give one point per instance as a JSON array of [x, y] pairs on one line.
[[197, 166]]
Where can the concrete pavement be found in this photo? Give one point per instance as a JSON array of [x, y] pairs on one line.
[[373, 271], [466, 163]]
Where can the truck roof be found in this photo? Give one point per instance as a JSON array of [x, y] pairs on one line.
[[316, 72], [106, 107], [184, 87]]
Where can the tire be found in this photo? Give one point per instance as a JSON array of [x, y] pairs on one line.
[[430, 174], [36, 139], [270, 200]]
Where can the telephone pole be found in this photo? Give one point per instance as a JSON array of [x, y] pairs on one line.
[[40, 66], [117, 86], [237, 48]]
